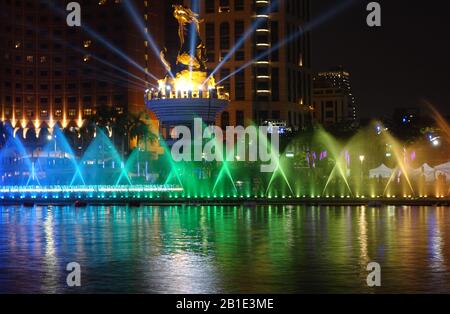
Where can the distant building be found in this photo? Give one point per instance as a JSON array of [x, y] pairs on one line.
[[333, 98]]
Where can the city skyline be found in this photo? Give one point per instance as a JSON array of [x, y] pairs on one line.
[[399, 64]]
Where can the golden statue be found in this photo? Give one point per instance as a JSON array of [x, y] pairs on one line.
[[190, 71], [192, 49], [185, 16]]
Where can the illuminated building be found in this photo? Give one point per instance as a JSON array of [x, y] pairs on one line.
[[52, 73], [333, 98], [276, 86]]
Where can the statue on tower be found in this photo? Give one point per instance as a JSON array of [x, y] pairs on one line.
[[190, 70], [192, 50]]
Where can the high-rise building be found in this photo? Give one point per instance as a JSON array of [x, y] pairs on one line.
[[52, 73], [333, 98], [267, 79]]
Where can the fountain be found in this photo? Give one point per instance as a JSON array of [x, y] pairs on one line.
[[315, 166]]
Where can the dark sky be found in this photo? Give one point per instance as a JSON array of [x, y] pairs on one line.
[[397, 65]]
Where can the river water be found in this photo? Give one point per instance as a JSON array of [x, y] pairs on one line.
[[267, 249]]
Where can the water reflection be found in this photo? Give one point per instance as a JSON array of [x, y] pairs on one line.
[[224, 249]]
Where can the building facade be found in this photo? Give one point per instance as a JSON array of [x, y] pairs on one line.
[[52, 73], [268, 79], [333, 98]]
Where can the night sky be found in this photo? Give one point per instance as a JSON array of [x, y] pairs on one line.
[[397, 65]]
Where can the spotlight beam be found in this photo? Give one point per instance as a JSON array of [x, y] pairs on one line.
[[81, 51], [102, 40], [307, 28], [140, 25], [243, 39], [196, 8]]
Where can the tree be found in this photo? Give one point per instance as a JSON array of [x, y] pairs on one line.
[[121, 126], [139, 129]]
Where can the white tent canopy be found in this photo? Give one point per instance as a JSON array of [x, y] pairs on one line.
[[425, 170], [444, 167], [382, 171]]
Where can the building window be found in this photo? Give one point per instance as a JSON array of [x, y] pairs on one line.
[[224, 36], [239, 5], [225, 119], [224, 6], [240, 118], [210, 41], [103, 84], [275, 84], [87, 99], [239, 27], [102, 99], [239, 80], [263, 115], [210, 6]]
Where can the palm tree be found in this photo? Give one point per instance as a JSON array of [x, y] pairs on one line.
[[122, 127], [139, 129], [105, 117]]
